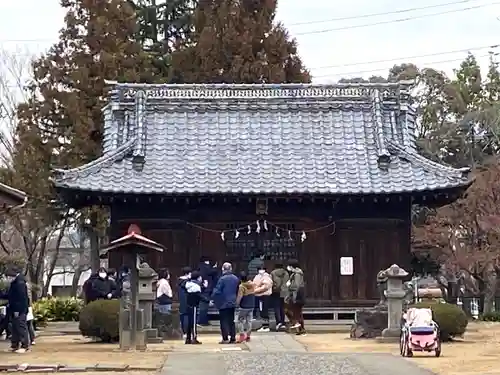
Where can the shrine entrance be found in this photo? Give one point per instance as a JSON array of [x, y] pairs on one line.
[[278, 246]]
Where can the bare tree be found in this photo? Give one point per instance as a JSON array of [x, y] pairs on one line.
[[27, 232], [15, 72], [68, 255]]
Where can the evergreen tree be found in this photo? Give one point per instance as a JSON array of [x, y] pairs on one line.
[[164, 25], [60, 124], [238, 42], [96, 44]]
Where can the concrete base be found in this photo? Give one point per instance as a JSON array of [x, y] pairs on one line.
[[141, 341], [152, 336], [391, 332], [126, 341], [389, 339]]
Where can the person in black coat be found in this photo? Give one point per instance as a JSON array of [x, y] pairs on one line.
[[209, 275], [17, 296], [88, 293], [102, 286]]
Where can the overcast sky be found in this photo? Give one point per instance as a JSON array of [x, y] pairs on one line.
[[341, 50]]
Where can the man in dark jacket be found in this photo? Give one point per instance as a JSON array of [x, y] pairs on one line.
[[224, 297], [88, 293], [209, 278], [181, 294], [102, 287], [17, 296]]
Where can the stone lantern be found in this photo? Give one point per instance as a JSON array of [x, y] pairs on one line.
[[132, 326], [395, 294]]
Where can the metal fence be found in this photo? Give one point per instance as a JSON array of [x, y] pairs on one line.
[[473, 306]]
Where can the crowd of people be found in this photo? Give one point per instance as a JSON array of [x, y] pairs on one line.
[[240, 298]]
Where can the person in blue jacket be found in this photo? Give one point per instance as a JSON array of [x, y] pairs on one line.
[[209, 275], [182, 294], [224, 298]]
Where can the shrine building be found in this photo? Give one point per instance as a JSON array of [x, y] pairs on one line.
[[326, 174]]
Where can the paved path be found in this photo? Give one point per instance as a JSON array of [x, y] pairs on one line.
[[278, 354]]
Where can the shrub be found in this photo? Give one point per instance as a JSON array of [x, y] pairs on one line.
[[56, 310], [451, 319], [491, 316], [100, 319], [4, 288]]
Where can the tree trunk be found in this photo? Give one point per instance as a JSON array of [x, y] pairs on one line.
[[95, 261], [490, 282], [74, 283], [82, 263]]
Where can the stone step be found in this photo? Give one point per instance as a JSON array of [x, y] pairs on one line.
[[310, 327]]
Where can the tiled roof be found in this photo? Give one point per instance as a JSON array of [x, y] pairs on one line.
[[11, 197], [260, 139]]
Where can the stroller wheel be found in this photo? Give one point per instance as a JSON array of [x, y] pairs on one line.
[[437, 352]]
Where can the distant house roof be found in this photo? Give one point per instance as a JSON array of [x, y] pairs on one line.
[[270, 139], [10, 197]]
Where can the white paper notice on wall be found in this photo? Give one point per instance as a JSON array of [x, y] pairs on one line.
[[346, 266]]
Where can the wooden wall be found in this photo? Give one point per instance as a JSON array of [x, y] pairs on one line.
[[374, 237]]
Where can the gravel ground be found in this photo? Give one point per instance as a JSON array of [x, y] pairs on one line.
[[287, 363], [290, 363], [279, 353]]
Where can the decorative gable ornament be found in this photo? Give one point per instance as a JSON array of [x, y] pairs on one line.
[[261, 206]]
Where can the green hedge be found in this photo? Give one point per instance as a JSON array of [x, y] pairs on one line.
[[491, 316], [451, 319], [100, 319]]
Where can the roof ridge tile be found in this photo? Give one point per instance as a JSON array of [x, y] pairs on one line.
[[442, 169], [95, 165]]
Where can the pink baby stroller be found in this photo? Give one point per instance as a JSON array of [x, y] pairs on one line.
[[419, 333]]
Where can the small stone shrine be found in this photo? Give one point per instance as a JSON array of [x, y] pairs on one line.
[[132, 320]]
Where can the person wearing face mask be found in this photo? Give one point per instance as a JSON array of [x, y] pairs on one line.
[[102, 287], [263, 290], [296, 296], [253, 269]]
